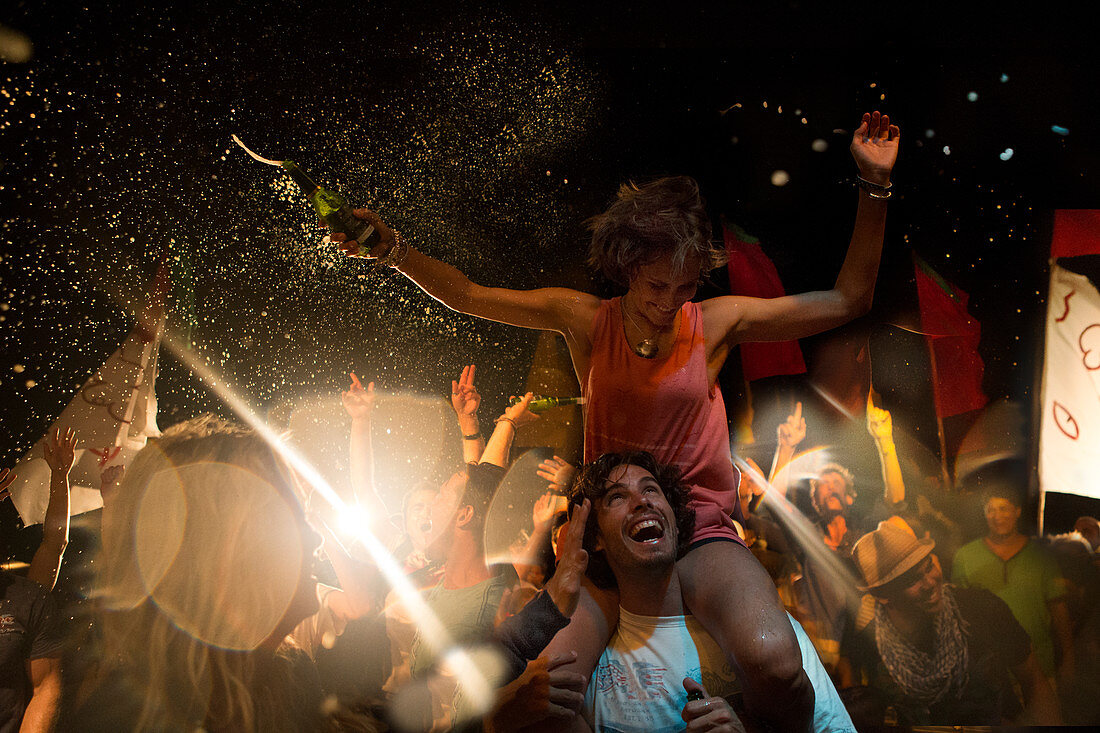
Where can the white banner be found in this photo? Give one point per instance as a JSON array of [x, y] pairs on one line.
[[1069, 436], [113, 414]]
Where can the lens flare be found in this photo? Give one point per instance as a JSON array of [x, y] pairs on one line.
[[472, 683]]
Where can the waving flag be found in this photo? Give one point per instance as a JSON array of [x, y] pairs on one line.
[[752, 273], [114, 413], [1069, 434], [952, 335]]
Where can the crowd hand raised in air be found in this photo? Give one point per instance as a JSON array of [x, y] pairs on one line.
[[793, 431], [351, 248], [875, 147], [711, 714], [565, 586], [464, 395], [879, 423], [358, 402], [60, 451], [558, 472], [546, 506], [7, 478], [109, 480]]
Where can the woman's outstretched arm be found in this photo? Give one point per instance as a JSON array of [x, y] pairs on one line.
[[552, 309]]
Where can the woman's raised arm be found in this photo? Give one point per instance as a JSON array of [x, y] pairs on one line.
[[736, 319]]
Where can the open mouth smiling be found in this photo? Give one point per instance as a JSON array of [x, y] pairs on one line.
[[647, 531]]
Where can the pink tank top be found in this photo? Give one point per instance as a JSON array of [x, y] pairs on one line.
[[666, 406]]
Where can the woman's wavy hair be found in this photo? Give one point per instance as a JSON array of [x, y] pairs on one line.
[[590, 484], [201, 530], [665, 217]]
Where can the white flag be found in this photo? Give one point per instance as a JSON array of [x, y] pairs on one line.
[[113, 414], [1069, 437]]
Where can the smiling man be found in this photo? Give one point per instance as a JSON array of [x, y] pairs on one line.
[[639, 525], [1022, 574], [941, 655]]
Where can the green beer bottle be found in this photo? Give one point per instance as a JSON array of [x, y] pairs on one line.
[[329, 205], [541, 404], [332, 207]]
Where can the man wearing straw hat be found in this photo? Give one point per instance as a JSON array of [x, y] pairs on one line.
[[941, 655]]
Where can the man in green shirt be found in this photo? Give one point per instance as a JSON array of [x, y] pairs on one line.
[[1023, 575]]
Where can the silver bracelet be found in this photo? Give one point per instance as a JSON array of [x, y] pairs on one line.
[[875, 190]]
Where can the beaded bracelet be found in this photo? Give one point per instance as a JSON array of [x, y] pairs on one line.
[[396, 255]]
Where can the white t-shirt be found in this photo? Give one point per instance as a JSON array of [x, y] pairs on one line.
[[638, 683]]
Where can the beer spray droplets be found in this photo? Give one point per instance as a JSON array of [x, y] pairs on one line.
[[254, 156]]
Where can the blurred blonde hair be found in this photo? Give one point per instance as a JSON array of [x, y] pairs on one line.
[[202, 556]]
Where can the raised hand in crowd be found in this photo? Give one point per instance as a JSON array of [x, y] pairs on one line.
[[879, 423], [558, 472], [466, 400], [526, 554], [500, 442], [711, 714], [109, 480], [881, 427], [875, 148], [789, 434], [542, 513], [359, 402], [793, 431], [59, 451], [565, 587]]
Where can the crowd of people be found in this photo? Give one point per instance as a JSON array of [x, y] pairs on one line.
[[662, 585]]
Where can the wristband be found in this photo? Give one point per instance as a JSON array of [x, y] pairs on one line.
[[505, 418], [875, 190], [472, 436]]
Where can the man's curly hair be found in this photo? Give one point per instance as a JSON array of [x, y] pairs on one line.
[[591, 484]]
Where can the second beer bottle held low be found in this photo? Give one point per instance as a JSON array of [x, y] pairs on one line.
[[335, 211], [541, 404]]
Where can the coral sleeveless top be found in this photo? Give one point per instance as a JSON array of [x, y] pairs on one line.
[[666, 406]]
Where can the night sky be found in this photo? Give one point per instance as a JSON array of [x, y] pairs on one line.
[[488, 136]]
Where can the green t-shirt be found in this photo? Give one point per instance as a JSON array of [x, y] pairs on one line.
[[467, 614], [1027, 582]]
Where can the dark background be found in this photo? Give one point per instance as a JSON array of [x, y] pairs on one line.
[[488, 133]]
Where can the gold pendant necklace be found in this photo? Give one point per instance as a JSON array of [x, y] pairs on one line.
[[646, 348]]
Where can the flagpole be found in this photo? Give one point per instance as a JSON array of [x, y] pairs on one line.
[[939, 420], [1035, 485]]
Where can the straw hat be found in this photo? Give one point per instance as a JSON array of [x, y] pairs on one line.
[[886, 553]]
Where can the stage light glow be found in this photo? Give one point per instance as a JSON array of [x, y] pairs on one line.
[[805, 532], [353, 520], [472, 682]]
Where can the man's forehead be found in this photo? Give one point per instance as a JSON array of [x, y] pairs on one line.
[[626, 474], [915, 573]]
